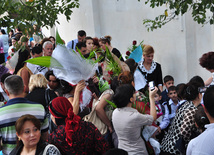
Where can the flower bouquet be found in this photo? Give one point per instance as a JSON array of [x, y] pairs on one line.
[[134, 47]]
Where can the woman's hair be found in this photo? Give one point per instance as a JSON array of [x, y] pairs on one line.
[[52, 38], [123, 94], [197, 79], [23, 56], [21, 121], [37, 81], [147, 49], [125, 77], [106, 39], [61, 108], [114, 83], [87, 38], [132, 65], [49, 73], [179, 90], [65, 87], [207, 60], [96, 42], [201, 118]]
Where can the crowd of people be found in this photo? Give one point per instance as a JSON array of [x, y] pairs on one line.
[[114, 111]]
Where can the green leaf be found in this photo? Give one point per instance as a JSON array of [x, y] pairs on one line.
[[111, 103], [46, 61], [58, 38]]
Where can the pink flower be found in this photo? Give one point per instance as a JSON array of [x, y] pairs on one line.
[[134, 42], [128, 53]]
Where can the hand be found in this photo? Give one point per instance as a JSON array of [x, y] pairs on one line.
[[80, 86], [95, 79], [110, 129], [152, 92], [95, 96]]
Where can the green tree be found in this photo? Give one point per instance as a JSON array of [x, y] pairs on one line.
[[25, 13], [202, 11]]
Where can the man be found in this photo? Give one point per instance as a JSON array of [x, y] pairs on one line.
[[80, 37], [81, 46], [47, 48], [203, 144], [15, 108], [36, 69]]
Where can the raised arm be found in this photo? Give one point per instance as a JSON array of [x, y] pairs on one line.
[[152, 103]]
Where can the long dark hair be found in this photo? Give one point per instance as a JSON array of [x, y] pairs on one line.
[[23, 56]]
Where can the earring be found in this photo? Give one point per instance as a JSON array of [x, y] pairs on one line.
[[19, 138]]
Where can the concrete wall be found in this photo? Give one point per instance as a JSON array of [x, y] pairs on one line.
[[178, 45]]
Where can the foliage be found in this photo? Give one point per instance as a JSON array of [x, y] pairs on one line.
[[46, 61], [41, 12], [113, 67], [202, 11]]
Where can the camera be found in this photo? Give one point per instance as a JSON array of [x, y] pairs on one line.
[[152, 85]]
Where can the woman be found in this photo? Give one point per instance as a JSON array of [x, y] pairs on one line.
[[29, 138], [21, 69], [148, 70], [183, 123], [39, 92], [11, 33], [72, 135], [72, 93], [128, 122], [89, 46], [207, 62], [1, 51], [53, 82], [4, 38], [106, 42]]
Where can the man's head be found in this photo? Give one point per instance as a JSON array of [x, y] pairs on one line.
[[36, 51], [81, 35], [208, 101], [172, 94], [82, 47], [47, 48], [14, 85], [3, 77], [168, 81]]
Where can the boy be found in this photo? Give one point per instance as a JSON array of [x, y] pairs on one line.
[[168, 81], [173, 102]]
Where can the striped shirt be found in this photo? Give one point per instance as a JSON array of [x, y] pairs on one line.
[[10, 112]]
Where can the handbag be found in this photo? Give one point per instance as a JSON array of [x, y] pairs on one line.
[[53, 150], [93, 118]]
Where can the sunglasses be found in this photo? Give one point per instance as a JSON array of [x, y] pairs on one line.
[[202, 89]]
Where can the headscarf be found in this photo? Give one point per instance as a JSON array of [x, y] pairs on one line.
[[61, 108]]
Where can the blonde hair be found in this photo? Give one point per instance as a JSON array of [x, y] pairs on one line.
[[37, 81], [147, 49]]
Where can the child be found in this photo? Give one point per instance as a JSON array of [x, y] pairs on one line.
[[168, 81], [162, 117], [173, 103]]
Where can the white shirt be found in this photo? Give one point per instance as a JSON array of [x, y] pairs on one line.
[[203, 144], [36, 69]]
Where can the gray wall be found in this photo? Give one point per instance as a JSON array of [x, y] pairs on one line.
[[178, 45]]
